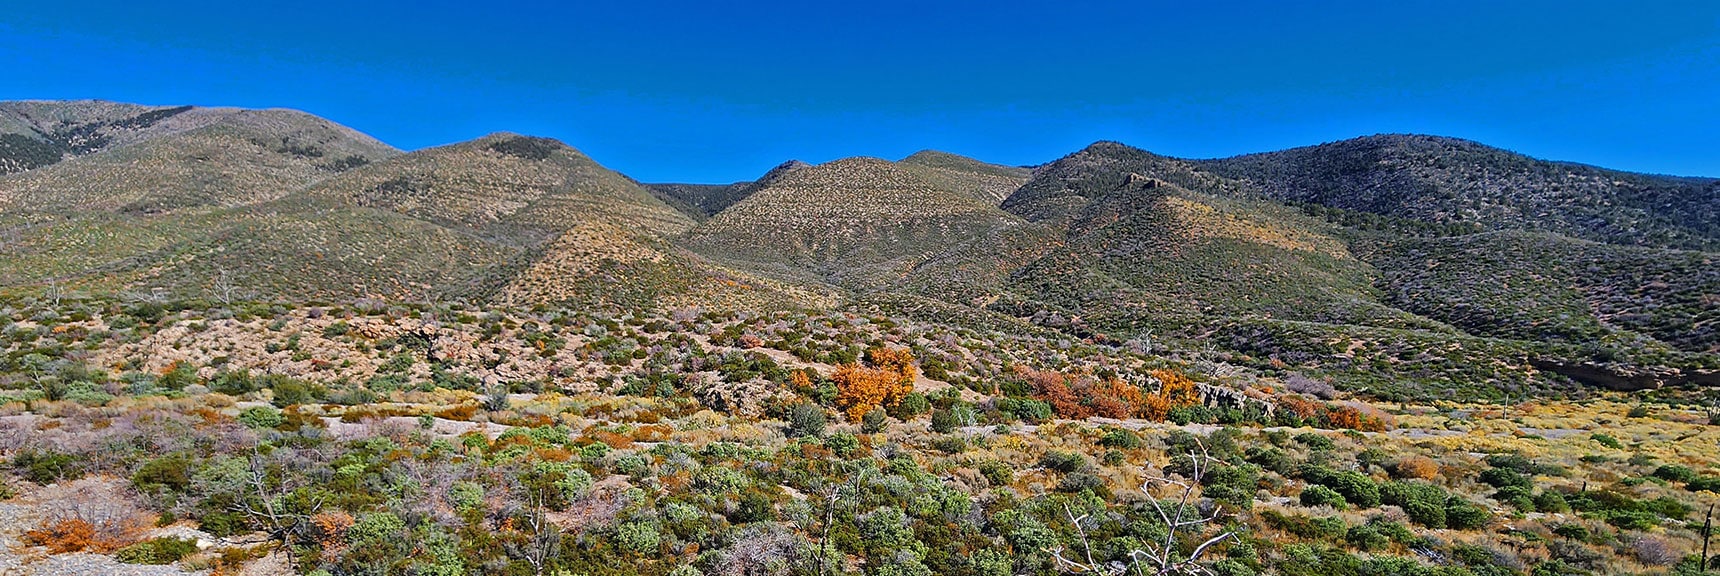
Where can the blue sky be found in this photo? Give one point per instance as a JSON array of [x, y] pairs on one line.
[[722, 91]]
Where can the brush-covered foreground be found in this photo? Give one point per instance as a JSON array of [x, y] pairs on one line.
[[391, 439]]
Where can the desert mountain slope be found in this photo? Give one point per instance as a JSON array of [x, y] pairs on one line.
[[505, 187], [855, 222], [93, 156], [1396, 262], [1452, 181]]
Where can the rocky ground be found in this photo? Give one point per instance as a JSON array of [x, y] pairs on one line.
[[19, 559]]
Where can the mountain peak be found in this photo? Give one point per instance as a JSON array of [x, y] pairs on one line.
[[525, 147]]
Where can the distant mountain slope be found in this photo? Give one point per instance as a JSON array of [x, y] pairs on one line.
[[38, 133], [505, 187], [1446, 180], [140, 160], [1394, 264], [987, 182], [1545, 287], [701, 201], [1142, 252], [856, 222], [1134, 241], [1059, 189]]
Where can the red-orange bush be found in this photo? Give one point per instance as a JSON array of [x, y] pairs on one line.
[[1302, 407], [1053, 388]]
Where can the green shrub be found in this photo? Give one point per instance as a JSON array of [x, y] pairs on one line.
[[1315, 441], [1709, 483], [1668, 507], [156, 551], [1327, 528], [178, 378], [1461, 514], [1631, 519], [1551, 502], [913, 404], [1318, 495], [233, 383], [843, 444], [1034, 411], [1357, 488], [1525, 466], [1518, 497], [1426, 514], [1675, 473], [261, 417], [1424, 503], [1367, 537], [47, 467], [466, 495], [1273, 459], [168, 473], [1606, 440], [1232, 484], [1080, 481], [1063, 461], [1505, 477], [873, 422], [806, 420], [997, 473], [1120, 438], [943, 421], [1571, 531], [289, 392], [950, 444]]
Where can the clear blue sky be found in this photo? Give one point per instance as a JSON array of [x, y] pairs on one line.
[[722, 91]]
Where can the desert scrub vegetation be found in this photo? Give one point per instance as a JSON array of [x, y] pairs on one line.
[[371, 437]]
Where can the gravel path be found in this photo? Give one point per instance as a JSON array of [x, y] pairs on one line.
[[89, 564]]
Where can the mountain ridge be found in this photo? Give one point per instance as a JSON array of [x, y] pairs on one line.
[[1399, 245]]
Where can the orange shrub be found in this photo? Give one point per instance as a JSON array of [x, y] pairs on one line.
[[331, 531], [860, 389], [1175, 391], [896, 360], [1155, 407], [553, 454], [1114, 398], [653, 433], [614, 440], [1177, 388], [1348, 417], [1418, 467], [65, 536]]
